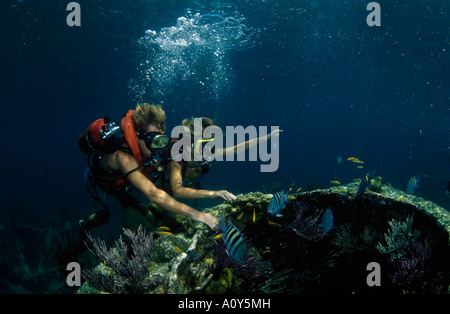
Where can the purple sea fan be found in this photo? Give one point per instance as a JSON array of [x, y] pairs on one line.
[[129, 263], [413, 266], [405, 271], [307, 227]]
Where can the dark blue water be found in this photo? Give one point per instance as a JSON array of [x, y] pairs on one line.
[[334, 85]]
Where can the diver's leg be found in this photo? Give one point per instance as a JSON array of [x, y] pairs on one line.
[[98, 218], [134, 211], [126, 199], [98, 199]]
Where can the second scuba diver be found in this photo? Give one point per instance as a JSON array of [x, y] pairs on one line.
[[182, 179]]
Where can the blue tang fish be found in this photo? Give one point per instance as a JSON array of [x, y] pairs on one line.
[[413, 183], [234, 242], [278, 203], [326, 222]]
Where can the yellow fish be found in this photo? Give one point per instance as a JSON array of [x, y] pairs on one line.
[[178, 250], [298, 189], [271, 223], [240, 216], [217, 237], [335, 182], [292, 186], [355, 160], [360, 167], [163, 228], [254, 216], [164, 233], [292, 197]]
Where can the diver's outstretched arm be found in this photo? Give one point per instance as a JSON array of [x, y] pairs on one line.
[[182, 192], [247, 144]]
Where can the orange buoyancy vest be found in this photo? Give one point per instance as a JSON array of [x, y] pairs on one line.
[[129, 133], [131, 140]]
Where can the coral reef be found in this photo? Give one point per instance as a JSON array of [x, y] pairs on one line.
[[408, 236], [307, 227], [128, 263], [399, 239], [27, 262], [38, 242], [408, 257], [253, 268], [345, 240]]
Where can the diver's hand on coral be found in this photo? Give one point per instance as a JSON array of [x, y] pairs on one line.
[[224, 195], [208, 220]]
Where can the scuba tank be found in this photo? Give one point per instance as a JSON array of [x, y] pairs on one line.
[[99, 136]]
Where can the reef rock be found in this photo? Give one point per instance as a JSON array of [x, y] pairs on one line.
[[406, 236]]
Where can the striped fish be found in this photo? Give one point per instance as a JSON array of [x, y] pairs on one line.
[[234, 242], [413, 183], [365, 182], [278, 203]]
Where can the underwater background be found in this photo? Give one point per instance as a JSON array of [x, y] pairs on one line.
[[334, 85]]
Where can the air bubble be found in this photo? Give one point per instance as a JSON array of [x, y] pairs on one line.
[[191, 53]]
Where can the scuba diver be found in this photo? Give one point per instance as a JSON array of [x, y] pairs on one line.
[[183, 179], [120, 163]]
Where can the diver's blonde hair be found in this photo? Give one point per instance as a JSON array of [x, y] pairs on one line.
[[146, 114]]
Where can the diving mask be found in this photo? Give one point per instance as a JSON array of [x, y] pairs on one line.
[[155, 140]]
